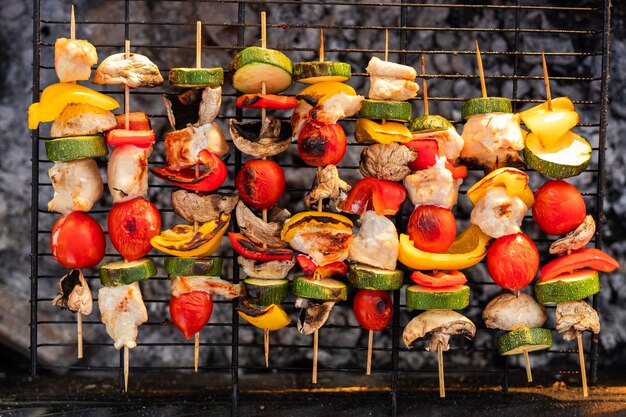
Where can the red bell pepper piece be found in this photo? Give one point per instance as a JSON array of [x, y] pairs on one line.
[[589, 258], [459, 171], [427, 151], [210, 179], [385, 197], [139, 138], [310, 268], [439, 279], [248, 249], [191, 311], [266, 101], [137, 120]]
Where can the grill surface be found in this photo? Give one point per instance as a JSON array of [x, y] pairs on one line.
[[591, 37]]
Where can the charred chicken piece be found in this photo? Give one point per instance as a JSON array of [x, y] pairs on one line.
[[574, 317], [328, 185], [73, 59], [433, 185], [211, 285], [258, 231], [313, 314], [82, 119], [376, 243], [127, 172], [261, 140], [386, 161], [499, 214], [265, 270], [74, 293], [135, 71], [202, 208], [324, 245], [576, 239], [440, 325], [77, 185], [509, 311], [123, 311], [183, 146]]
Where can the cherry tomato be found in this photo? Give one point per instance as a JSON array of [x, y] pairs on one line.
[[432, 228], [191, 311], [373, 309], [77, 241], [320, 145], [513, 261], [439, 279], [260, 183], [559, 207], [131, 226]]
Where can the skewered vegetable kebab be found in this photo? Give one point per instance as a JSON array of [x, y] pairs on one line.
[[261, 73], [133, 220], [374, 250], [323, 237], [77, 241]]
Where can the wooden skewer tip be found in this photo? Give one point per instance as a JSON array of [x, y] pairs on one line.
[[583, 369], [370, 342], [196, 351], [315, 346], [79, 334], [126, 367], [442, 383], [529, 373]]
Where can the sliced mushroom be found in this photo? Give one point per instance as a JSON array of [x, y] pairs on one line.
[[183, 109], [210, 104], [313, 316], [202, 208], [576, 316], [509, 311], [327, 184], [259, 140], [135, 71], [576, 239], [258, 231], [265, 270], [440, 324], [74, 293], [386, 161]]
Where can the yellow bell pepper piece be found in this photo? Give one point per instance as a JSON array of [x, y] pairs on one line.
[[56, 96], [366, 131], [314, 219], [550, 125], [182, 241], [468, 249], [274, 318], [563, 103], [512, 179], [317, 93]]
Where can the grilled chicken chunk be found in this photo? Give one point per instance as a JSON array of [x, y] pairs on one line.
[[82, 119], [183, 146], [576, 316], [211, 285], [328, 185], [433, 185], [74, 293], [383, 88], [324, 245], [449, 141], [440, 324], [77, 185], [499, 214], [135, 72], [378, 67], [123, 311], [127, 172], [73, 59], [509, 311], [337, 107], [202, 208], [259, 231], [386, 161], [265, 270], [376, 243]]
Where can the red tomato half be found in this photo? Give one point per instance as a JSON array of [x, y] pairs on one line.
[[373, 309], [77, 241], [191, 311], [513, 261], [559, 207], [439, 279], [260, 183], [131, 226]]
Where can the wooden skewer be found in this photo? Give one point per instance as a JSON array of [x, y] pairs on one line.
[[546, 81], [198, 44], [529, 373], [316, 338], [386, 44], [442, 383], [79, 318], [263, 30], [196, 351], [481, 73], [583, 370], [127, 90], [424, 85], [370, 342], [266, 345], [73, 36], [126, 361], [321, 45]]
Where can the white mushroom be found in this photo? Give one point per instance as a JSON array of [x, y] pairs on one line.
[[509, 311], [440, 324], [576, 316]]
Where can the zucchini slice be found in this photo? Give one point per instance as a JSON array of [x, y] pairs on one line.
[[76, 147], [429, 123], [524, 339], [208, 267], [114, 274], [316, 72], [253, 66], [482, 105], [265, 292], [196, 77], [575, 286], [386, 110], [370, 278], [419, 297], [568, 158], [326, 289]]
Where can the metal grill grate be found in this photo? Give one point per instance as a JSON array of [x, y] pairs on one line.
[[589, 27]]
